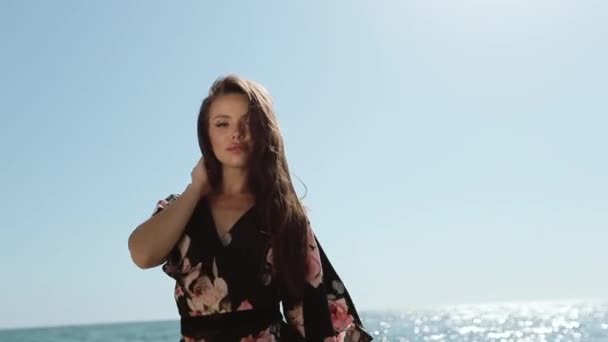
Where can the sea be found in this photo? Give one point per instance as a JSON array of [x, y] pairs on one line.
[[506, 322]]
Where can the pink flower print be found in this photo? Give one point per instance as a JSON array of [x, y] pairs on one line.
[[313, 261], [263, 336], [192, 275], [352, 334], [194, 313], [186, 267], [192, 339], [209, 296], [178, 291], [163, 203], [206, 295], [173, 268], [296, 318], [245, 305], [183, 245], [269, 257], [339, 314]]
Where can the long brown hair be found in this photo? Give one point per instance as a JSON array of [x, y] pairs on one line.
[[269, 178]]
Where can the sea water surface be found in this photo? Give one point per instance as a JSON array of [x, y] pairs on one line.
[[580, 321]]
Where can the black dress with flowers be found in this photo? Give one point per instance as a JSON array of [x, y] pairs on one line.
[[227, 290]]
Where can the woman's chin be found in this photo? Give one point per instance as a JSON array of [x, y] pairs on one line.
[[235, 163]]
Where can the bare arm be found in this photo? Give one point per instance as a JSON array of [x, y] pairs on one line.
[[151, 242]]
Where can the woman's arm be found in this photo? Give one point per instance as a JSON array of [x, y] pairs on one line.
[[151, 241]]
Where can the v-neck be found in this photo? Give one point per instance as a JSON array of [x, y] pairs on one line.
[[230, 232]]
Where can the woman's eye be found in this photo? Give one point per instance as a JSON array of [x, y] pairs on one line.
[[221, 124]]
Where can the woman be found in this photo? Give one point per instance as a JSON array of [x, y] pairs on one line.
[[237, 241]]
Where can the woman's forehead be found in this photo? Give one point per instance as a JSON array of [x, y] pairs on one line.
[[229, 106]]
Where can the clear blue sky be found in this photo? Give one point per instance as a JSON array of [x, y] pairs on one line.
[[454, 151]]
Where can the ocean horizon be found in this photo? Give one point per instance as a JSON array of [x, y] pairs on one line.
[[504, 322]]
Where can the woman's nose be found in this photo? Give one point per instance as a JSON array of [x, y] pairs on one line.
[[239, 132]]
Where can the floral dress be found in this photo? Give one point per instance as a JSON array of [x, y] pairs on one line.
[[226, 289]]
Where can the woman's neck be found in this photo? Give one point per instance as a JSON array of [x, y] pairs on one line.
[[235, 182]]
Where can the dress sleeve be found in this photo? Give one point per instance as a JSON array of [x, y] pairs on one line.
[[163, 203], [176, 263], [326, 312]]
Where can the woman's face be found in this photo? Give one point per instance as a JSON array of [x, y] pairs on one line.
[[229, 130]]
